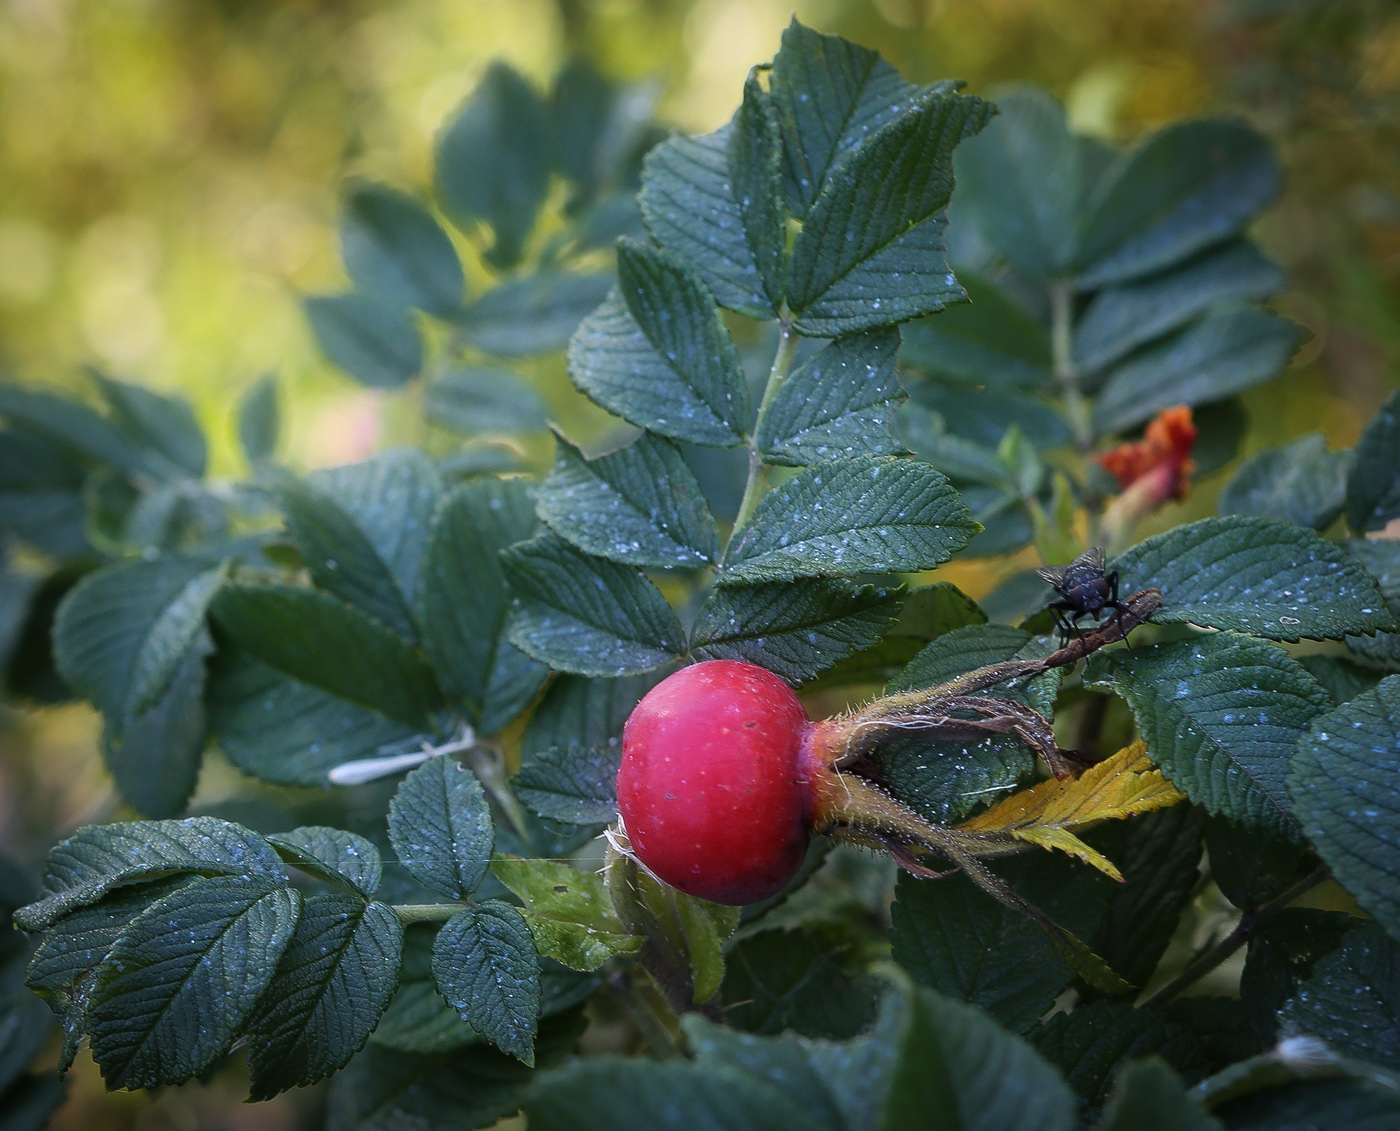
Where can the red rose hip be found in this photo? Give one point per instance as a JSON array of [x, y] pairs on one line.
[[712, 789]]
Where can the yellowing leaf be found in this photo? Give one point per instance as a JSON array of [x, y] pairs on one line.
[[1120, 786]]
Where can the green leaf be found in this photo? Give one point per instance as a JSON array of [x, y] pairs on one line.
[[440, 826], [952, 936], [1249, 867], [985, 416], [1357, 1105], [97, 858], [796, 980], [864, 514], [493, 161], [260, 421], [332, 983], [1344, 794], [319, 640], [795, 629], [1220, 431], [332, 854], [1301, 482], [1352, 1000], [839, 402], [1255, 575], [73, 426], [477, 399], [1344, 679], [485, 964], [575, 784], [585, 711], [1222, 354], [1373, 486], [286, 732], [1120, 319], [568, 912], [960, 650], [184, 978], [1148, 1096], [463, 600], [658, 354], [1220, 715], [1184, 188], [587, 615], [1019, 182], [1381, 557], [992, 341], [829, 95], [418, 1019], [755, 170], [536, 314], [639, 505], [393, 248], [1283, 951], [165, 425], [373, 340], [585, 107], [871, 250], [25, 1026], [31, 1103]]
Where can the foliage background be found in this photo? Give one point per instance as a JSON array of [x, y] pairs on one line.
[[170, 172]]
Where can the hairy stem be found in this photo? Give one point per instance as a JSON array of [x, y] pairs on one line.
[[427, 912], [758, 470]]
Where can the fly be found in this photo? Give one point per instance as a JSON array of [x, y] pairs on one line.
[[1084, 589]]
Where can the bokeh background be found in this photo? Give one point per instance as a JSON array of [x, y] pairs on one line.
[[170, 174]]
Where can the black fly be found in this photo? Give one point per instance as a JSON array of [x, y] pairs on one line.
[[1083, 589]]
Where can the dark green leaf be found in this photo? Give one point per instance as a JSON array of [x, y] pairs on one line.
[[864, 514], [1148, 1096], [394, 248], [260, 421], [984, 416], [31, 1102], [536, 314], [185, 976], [164, 424], [25, 1025], [71, 425], [839, 402], [1373, 487], [1255, 575], [797, 980], [1220, 432], [1120, 319], [755, 171], [1379, 651], [418, 1019], [871, 251], [41, 494], [1283, 950], [493, 161], [333, 854], [960, 650], [795, 629], [588, 711], [319, 640], [584, 106], [1352, 1000], [1301, 482], [658, 353], [587, 615], [1184, 188], [639, 505], [485, 964], [1220, 715], [575, 784], [964, 461], [1344, 679], [477, 399], [1248, 866], [1345, 794], [1356, 1105], [440, 826], [1381, 557], [463, 600], [372, 339], [332, 983]]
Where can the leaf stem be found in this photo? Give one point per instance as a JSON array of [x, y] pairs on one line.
[[1062, 356], [427, 912], [758, 470], [1203, 964]]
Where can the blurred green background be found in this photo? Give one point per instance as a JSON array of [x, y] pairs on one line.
[[170, 173]]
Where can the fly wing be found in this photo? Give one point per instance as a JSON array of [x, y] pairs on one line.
[[1094, 557], [1052, 575]]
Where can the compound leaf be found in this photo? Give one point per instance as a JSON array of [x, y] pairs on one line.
[[485, 965], [755, 162], [440, 826]]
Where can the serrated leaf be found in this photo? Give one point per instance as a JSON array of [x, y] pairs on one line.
[[393, 247], [568, 912], [463, 601], [1344, 794], [1222, 354], [492, 162], [575, 784], [639, 505], [1184, 188], [259, 421], [839, 402], [1120, 319], [440, 826], [183, 979], [333, 854], [864, 514], [473, 399], [165, 425], [658, 354], [985, 416], [964, 461], [967, 647], [1301, 482], [1148, 1096], [286, 732], [871, 251], [536, 314], [331, 985], [587, 615], [795, 629], [1373, 486], [319, 640], [1283, 952], [1220, 715], [1048, 813], [485, 964], [372, 339], [1255, 575], [796, 980], [755, 163], [578, 710]]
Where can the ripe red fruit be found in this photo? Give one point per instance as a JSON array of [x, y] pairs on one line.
[[712, 790]]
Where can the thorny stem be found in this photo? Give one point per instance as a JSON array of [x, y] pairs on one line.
[[1202, 965], [427, 912], [758, 470]]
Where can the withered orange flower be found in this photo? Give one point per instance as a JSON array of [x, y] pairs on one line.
[[1163, 456]]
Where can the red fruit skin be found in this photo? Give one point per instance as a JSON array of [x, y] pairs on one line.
[[711, 789]]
